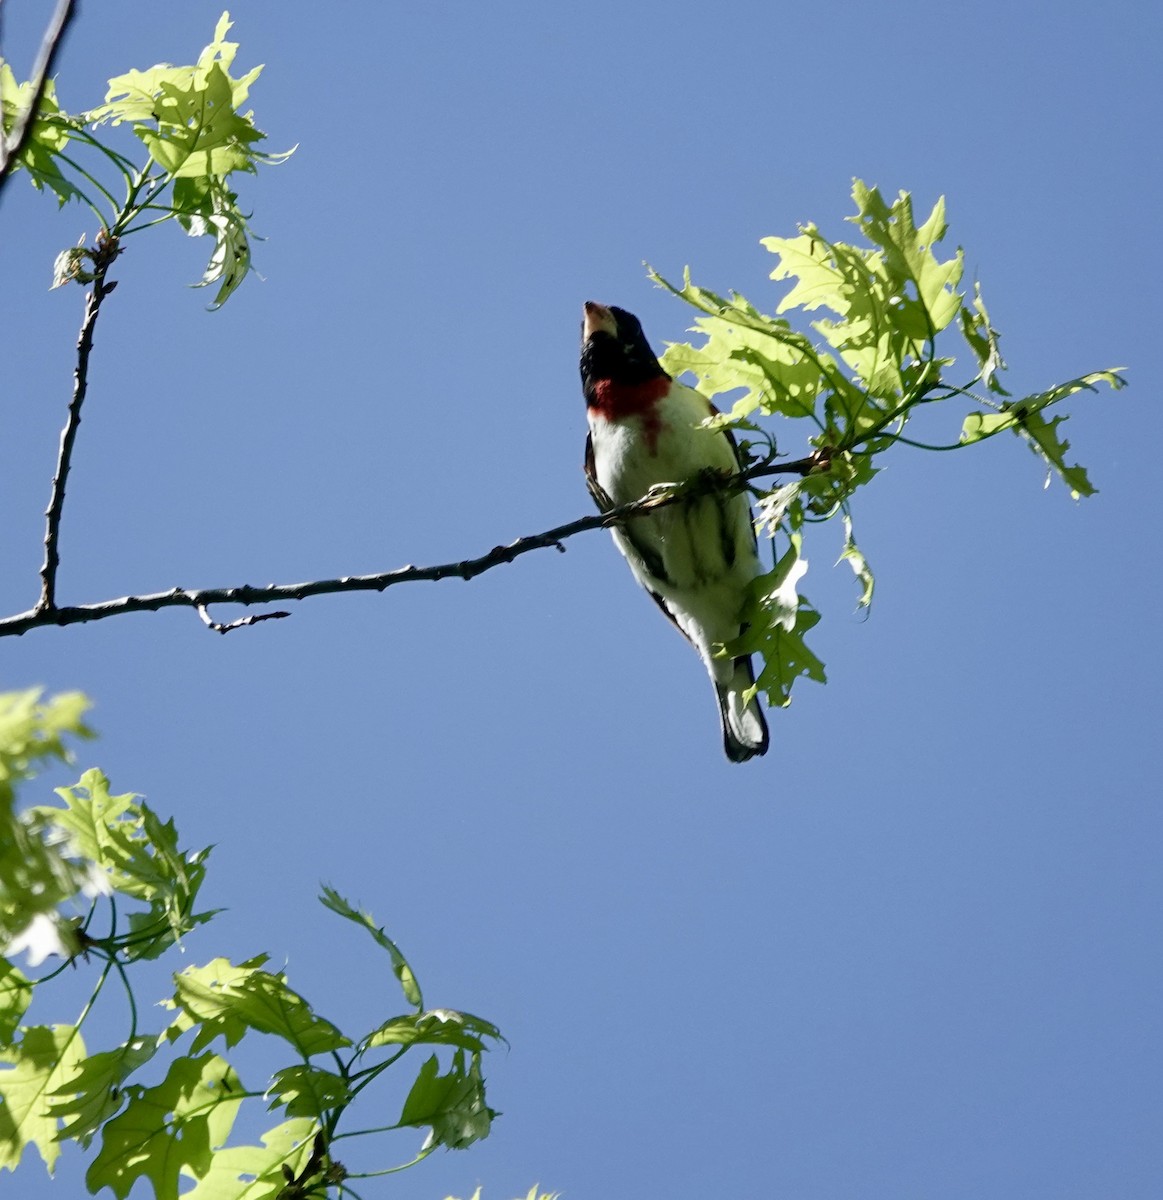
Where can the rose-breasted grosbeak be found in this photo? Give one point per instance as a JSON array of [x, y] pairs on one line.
[[697, 557]]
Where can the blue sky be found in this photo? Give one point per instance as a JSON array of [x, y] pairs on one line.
[[913, 952]]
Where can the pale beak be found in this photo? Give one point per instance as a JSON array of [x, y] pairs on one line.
[[598, 318]]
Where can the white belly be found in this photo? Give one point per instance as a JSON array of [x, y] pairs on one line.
[[699, 556]]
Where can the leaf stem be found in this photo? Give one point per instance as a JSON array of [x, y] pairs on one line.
[[129, 997], [369, 1073], [148, 224], [123, 164], [392, 1170], [96, 183], [367, 1132]]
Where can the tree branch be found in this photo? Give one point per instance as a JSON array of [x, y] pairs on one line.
[[466, 569], [105, 252], [13, 142], [253, 619]]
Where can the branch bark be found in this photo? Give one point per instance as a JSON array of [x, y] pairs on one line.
[[469, 568], [12, 143], [102, 255]]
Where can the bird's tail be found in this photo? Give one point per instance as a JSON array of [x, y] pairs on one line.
[[744, 729]]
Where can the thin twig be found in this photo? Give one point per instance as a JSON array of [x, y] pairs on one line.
[[105, 252], [13, 143], [468, 568], [253, 619]]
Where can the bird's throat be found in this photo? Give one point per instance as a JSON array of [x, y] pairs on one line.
[[623, 401]]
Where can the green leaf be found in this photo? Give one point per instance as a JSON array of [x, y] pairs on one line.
[[169, 1131], [777, 590], [778, 368], [198, 132], [190, 121], [333, 900], [891, 300], [437, 1027], [453, 1105], [69, 266], [120, 844], [211, 1020], [779, 505], [852, 555], [786, 657], [32, 731], [257, 1172], [780, 618], [134, 96], [908, 252], [230, 260], [15, 994], [227, 999], [979, 332], [95, 1092], [871, 339], [34, 877], [883, 307], [36, 1068], [93, 826], [50, 133], [307, 1091], [1025, 418]]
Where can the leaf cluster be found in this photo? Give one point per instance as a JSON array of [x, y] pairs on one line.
[[887, 310], [162, 1104], [196, 136]]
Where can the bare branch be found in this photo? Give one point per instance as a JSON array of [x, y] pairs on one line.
[[12, 143], [105, 251], [468, 568], [253, 619]]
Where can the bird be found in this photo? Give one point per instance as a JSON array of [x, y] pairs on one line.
[[696, 557]]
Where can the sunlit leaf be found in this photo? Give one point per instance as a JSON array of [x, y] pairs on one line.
[[453, 1104], [123, 846], [983, 340], [168, 1131], [1025, 418], [437, 1027], [233, 999], [210, 1019], [908, 252], [15, 994], [307, 1091], [333, 900], [874, 357], [91, 1096], [31, 1073], [50, 133], [258, 1172], [851, 554], [230, 260], [190, 120]]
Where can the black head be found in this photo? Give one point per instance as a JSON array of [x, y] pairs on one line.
[[614, 347]]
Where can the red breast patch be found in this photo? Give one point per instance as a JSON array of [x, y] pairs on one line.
[[619, 401]]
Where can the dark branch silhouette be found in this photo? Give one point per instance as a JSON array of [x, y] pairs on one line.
[[102, 256], [241, 623], [469, 568], [13, 143], [47, 612]]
